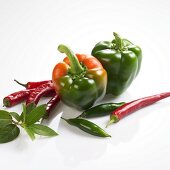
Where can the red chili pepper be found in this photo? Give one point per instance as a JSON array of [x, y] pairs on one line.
[[32, 85], [16, 98], [51, 105], [135, 105], [38, 92]]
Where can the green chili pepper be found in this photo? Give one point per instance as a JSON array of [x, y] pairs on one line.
[[122, 61], [101, 110], [87, 126]]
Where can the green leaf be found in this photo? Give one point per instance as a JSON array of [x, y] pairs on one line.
[[24, 112], [35, 115], [21, 117], [9, 133], [15, 115], [29, 132], [5, 118], [30, 107], [42, 130]]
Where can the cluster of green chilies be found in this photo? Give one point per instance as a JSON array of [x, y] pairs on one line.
[[82, 80]]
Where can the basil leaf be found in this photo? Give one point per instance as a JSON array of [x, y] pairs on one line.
[[30, 107], [29, 132], [15, 115], [21, 117], [35, 115], [42, 130], [5, 118], [9, 133], [24, 112]]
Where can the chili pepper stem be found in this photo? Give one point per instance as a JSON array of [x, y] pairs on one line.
[[76, 68], [16, 123], [22, 84], [113, 119]]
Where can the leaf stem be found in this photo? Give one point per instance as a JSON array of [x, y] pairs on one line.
[[16, 123]]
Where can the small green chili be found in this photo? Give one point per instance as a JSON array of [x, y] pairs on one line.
[[101, 110], [87, 126]]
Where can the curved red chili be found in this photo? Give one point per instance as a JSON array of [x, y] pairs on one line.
[[15, 98], [32, 85], [135, 105], [51, 105], [38, 92]]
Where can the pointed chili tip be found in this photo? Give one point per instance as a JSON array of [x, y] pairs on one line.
[[63, 118], [113, 119], [108, 136]]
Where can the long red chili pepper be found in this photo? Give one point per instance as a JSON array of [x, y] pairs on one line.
[[135, 105], [16, 98], [38, 92], [32, 85], [51, 105]]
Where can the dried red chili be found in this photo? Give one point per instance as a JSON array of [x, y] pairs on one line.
[[51, 105], [32, 85], [38, 92], [15, 98]]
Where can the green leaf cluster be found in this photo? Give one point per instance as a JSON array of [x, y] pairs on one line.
[[11, 121]]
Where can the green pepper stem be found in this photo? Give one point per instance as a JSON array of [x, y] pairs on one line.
[[118, 41], [76, 68], [113, 119]]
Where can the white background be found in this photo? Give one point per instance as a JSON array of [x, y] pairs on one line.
[[30, 32]]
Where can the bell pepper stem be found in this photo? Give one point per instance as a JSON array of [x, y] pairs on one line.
[[76, 67], [113, 119], [119, 42]]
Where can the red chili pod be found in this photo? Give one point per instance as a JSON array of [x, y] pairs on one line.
[[32, 85], [38, 92], [51, 105], [135, 105], [16, 98]]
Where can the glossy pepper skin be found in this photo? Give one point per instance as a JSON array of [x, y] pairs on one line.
[[122, 61], [87, 126], [100, 110], [80, 80]]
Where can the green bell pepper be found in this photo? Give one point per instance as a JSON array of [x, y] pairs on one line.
[[80, 80], [122, 61]]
